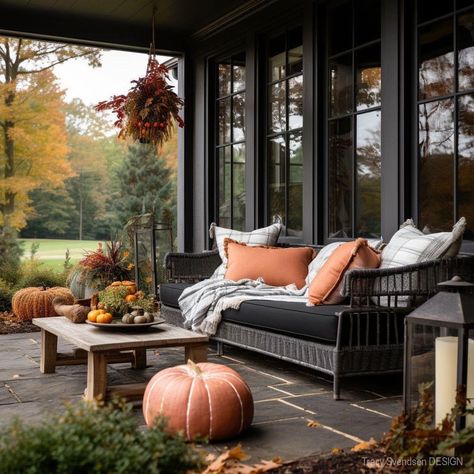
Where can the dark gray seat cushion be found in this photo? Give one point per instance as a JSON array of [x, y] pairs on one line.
[[295, 319], [170, 292]]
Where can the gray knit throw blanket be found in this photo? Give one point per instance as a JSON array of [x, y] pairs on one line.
[[202, 304]]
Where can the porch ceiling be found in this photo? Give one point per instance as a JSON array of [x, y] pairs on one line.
[[119, 22]]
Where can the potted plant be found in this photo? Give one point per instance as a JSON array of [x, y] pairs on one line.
[[99, 268]]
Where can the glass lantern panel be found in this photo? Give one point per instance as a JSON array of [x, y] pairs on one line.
[[144, 262], [163, 245], [432, 358]]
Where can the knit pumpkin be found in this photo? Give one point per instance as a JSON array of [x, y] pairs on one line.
[[200, 399], [37, 302]]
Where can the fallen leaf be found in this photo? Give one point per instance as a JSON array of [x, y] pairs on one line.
[[229, 462], [364, 445], [337, 451], [313, 424]]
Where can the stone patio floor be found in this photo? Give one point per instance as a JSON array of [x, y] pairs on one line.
[[286, 397]]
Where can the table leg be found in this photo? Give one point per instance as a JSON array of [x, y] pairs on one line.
[[196, 352], [140, 359], [49, 348], [96, 376]]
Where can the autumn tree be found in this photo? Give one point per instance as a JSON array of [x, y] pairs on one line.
[[88, 188], [33, 147]]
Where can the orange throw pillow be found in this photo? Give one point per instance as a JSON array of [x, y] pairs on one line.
[[325, 288], [277, 266]]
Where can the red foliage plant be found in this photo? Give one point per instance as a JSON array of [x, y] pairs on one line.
[[147, 112]]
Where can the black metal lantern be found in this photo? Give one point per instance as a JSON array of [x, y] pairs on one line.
[[151, 241], [439, 349]]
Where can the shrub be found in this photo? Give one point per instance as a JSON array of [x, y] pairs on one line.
[[92, 439], [6, 294], [414, 436], [10, 254], [34, 273]]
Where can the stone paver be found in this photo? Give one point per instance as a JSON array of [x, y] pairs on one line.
[[286, 397]]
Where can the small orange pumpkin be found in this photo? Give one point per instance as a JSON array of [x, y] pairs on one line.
[[37, 302], [200, 399], [131, 298]]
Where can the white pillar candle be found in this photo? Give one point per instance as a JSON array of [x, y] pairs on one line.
[[446, 363]]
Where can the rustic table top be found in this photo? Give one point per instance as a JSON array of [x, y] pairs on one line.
[[93, 339]]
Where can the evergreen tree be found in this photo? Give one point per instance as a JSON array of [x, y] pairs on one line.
[[146, 184], [53, 216]]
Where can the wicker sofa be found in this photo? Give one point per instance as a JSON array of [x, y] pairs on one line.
[[360, 337]]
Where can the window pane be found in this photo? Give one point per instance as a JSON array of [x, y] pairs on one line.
[[463, 3], [238, 72], [368, 76], [436, 150], [223, 73], [367, 21], [368, 171], [436, 59], [429, 9], [277, 60], [295, 60], [238, 117], [276, 177], [340, 27], [224, 160], [223, 125], [340, 86], [465, 39], [277, 109], [295, 52], [466, 162], [295, 191], [238, 197], [340, 178], [295, 102]]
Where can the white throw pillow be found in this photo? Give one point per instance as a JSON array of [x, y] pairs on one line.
[[410, 245], [325, 253], [264, 236]]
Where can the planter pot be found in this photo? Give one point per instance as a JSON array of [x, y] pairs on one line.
[[80, 288]]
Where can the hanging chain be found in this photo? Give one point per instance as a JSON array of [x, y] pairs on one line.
[[152, 52]]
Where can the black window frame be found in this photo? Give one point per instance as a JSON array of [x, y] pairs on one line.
[[215, 98], [454, 95], [355, 47], [267, 134]]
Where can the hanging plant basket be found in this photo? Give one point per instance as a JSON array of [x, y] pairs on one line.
[[148, 112]]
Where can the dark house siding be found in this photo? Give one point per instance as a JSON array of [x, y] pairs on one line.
[[398, 97]]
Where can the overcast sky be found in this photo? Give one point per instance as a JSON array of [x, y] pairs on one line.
[[93, 85]]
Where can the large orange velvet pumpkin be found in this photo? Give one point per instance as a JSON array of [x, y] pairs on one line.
[[200, 400], [37, 302]]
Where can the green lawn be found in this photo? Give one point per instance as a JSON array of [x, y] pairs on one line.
[[52, 251]]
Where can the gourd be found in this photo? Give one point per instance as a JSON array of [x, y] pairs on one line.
[[200, 399], [37, 302], [130, 285]]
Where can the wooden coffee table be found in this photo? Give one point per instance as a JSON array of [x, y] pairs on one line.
[[97, 347]]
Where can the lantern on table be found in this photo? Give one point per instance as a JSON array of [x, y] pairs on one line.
[[150, 241], [439, 349]]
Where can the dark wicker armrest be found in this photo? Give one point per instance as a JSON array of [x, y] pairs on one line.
[[191, 267], [408, 283]]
